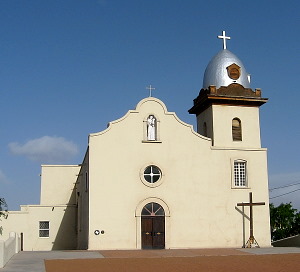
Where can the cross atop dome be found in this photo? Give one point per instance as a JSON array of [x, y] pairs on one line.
[[224, 39]]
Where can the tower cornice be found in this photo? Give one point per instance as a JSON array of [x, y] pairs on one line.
[[234, 94]]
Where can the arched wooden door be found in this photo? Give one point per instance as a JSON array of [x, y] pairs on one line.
[[153, 226]]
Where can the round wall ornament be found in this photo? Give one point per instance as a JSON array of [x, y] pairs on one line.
[[234, 71]]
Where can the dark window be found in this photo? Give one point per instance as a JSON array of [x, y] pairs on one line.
[[86, 181], [205, 129], [44, 228], [152, 174]]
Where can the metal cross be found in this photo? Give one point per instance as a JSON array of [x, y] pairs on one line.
[[224, 39], [150, 88], [251, 240]]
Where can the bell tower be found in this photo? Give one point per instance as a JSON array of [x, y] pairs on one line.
[[227, 109]]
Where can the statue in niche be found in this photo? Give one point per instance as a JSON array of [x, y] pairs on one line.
[[151, 127]]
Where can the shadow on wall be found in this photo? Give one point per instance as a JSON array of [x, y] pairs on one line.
[[66, 238]]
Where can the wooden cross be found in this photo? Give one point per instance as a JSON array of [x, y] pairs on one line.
[[224, 39], [150, 88], [251, 240]]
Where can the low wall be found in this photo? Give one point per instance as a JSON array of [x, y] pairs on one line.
[[293, 241], [9, 248]]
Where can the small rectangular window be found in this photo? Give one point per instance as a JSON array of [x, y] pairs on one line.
[[44, 229], [240, 174], [86, 181]]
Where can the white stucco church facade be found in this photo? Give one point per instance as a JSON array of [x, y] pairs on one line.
[[150, 181]]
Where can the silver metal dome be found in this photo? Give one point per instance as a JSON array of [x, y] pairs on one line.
[[216, 71]]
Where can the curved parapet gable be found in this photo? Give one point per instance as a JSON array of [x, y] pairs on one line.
[[112, 123], [156, 107], [151, 99]]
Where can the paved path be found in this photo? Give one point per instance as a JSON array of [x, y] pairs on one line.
[[33, 261]]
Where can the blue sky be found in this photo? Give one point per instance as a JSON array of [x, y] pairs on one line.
[[69, 67]]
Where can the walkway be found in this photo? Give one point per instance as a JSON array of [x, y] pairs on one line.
[[34, 261]]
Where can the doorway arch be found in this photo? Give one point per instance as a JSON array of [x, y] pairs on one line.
[[139, 217], [153, 226]]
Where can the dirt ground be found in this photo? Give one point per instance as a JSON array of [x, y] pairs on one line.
[[173, 261]]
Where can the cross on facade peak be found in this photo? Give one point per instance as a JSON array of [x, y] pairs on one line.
[[224, 37], [150, 88]]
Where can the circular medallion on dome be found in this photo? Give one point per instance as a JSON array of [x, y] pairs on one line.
[[233, 71]]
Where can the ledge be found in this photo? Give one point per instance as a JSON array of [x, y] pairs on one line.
[[157, 142], [238, 148]]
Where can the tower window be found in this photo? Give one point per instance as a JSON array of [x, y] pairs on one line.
[[240, 177], [236, 129]]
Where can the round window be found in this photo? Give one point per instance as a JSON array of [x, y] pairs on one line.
[[152, 174]]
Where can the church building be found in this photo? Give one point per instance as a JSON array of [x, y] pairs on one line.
[[149, 181]]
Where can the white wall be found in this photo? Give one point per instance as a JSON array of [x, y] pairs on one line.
[[8, 248], [222, 126], [62, 220], [58, 183], [196, 184]]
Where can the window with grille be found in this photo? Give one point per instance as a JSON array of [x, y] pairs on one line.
[[44, 228], [240, 177], [236, 130], [152, 174]]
